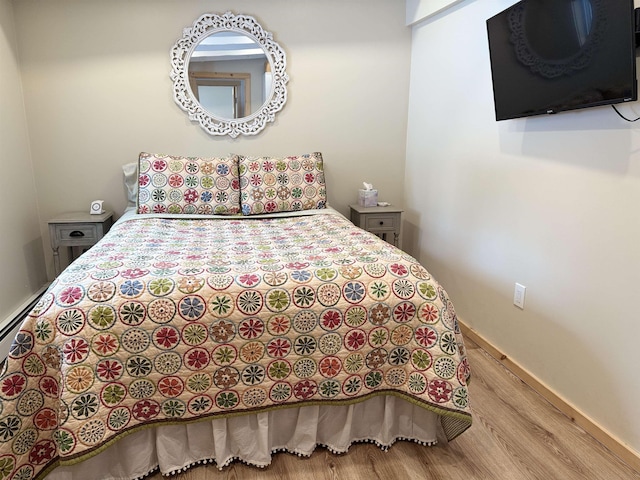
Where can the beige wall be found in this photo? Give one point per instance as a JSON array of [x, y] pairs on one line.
[[97, 91], [552, 202], [21, 251]]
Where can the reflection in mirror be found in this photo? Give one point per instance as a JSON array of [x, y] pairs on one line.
[[556, 51], [224, 95], [556, 42], [229, 74]]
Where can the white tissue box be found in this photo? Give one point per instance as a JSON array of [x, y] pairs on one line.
[[367, 198]]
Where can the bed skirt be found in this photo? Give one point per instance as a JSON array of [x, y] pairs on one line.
[[254, 438]]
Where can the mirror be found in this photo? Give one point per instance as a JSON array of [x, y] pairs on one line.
[[228, 74]]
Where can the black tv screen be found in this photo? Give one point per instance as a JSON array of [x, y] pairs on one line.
[[549, 56]]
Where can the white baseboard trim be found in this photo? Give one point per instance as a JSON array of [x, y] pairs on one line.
[[610, 441]]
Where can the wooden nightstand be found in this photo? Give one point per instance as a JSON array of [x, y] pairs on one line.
[[76, 229], [385, 222]]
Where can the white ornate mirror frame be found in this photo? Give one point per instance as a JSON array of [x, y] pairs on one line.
[[181, 54]]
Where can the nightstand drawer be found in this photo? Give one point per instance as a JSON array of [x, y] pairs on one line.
[[77, 233], [377, 222]]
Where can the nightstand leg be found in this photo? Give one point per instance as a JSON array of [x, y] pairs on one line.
[[56, 260]]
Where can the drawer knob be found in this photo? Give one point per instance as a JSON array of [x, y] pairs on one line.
[[381, 222], [76, 233]]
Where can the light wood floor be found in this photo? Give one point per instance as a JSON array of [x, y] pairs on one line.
[[516, 435]]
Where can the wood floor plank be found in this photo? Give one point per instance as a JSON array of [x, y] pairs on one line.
[[516, 435], [563, 445]]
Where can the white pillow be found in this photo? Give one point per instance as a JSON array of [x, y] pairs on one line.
[[130, 171]]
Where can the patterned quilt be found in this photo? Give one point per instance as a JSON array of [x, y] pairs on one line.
[[168, 320]]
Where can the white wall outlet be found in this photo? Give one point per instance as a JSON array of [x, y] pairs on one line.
[[518, 295]]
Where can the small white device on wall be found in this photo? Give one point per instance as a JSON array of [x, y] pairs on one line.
[[96, 207]]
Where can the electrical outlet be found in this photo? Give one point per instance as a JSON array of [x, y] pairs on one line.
[[518, 295]]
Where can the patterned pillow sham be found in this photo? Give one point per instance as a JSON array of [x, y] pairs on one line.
[[269, 185], [173, 184]]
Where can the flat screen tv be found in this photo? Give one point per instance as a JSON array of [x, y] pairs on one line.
[[549, 56]]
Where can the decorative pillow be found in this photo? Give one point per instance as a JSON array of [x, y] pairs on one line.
[[170, 184], [269, 185]]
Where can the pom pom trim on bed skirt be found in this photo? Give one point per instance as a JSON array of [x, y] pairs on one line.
[[253, 439]]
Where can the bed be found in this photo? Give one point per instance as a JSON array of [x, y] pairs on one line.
[[224, 317]]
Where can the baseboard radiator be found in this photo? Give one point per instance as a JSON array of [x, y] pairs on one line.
[[12, 324]]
